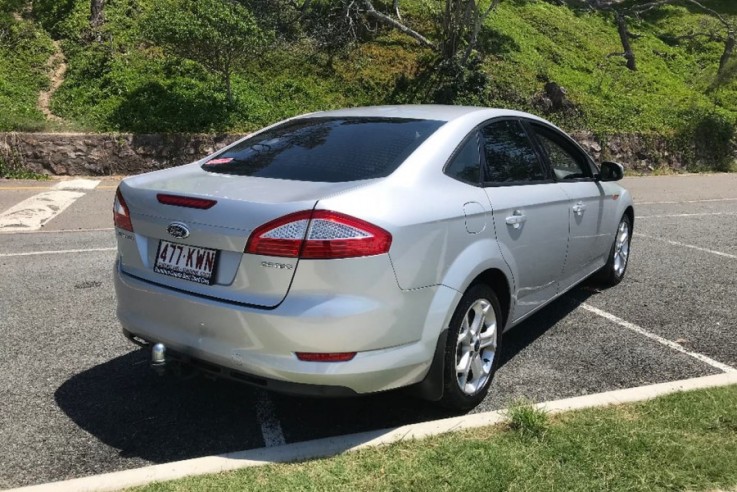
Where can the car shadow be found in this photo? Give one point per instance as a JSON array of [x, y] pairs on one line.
[[125, 405]]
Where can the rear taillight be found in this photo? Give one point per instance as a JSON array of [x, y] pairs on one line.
[[318, 234], [121, 214]]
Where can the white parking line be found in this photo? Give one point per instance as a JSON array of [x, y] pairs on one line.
[[77, 184], [684, 215], [64, 231], [691, 246], [57, 252], [709, 200], [266, 414], [664, 341], [32, 213]]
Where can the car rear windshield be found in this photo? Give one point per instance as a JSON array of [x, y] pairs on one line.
[[326, 149]]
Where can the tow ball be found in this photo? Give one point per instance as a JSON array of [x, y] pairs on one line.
[[158, 358]]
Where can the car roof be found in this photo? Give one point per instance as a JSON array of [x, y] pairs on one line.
[[437, 112]]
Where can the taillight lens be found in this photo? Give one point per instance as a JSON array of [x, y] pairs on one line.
[[318, 234], [121, 214]]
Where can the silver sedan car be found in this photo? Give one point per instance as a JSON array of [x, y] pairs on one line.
[[365, 249]]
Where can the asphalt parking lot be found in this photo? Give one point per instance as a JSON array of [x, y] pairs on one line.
[[76, 398]]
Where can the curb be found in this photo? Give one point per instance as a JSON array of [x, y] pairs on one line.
[[321, 448]]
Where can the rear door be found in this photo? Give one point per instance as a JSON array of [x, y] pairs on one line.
[[530, 212], [573, 171]]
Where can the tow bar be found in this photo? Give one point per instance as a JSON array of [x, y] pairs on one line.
[[158, 358]]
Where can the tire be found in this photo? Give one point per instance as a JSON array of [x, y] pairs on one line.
[[480, 350], [616, 266]]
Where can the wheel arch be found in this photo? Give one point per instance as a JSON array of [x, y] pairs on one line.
[[497, 280]]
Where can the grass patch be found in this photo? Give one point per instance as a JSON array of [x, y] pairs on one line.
[[685, 441]]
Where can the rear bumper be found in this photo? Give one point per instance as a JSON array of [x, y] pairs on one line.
[[393, 336]]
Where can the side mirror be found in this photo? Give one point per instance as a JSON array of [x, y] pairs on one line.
[[611, 171]]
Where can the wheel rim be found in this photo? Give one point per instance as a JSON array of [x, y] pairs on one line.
[[621, 248], [476, 347]]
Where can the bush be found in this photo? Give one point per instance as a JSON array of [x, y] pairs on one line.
[[708, 140]]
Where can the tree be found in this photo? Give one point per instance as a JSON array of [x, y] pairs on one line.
[[222, 35], [97, 16], [622, 12]]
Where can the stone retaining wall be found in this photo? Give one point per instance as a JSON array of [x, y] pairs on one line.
[[121, 154], [105, 154]]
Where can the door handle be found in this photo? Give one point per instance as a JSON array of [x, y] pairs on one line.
[[516, 219], [578, 208]]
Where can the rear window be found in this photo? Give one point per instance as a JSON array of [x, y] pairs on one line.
[[326, 149]]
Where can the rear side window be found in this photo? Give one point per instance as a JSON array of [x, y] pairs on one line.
[[466, 163], [510, 157], [326, 149]]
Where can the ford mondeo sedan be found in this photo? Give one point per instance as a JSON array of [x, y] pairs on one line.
[[365, 249]]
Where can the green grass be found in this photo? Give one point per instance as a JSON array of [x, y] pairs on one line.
[[125, 84], [24, 50], [685, 441]]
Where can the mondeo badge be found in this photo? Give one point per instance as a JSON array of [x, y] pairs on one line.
[[178, 230]]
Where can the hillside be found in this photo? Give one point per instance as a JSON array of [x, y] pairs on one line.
[[123, 83]]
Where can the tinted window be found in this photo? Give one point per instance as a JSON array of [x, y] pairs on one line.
[[509, 154], [466, 163], [567, 161], [326, 149]]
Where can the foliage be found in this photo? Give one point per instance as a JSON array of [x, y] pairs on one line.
[[159, 68], [221, 36], [24, 50]]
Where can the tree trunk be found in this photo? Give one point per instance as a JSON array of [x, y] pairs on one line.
[[729, 46], [624, 37], [97, 16], [228, 89]]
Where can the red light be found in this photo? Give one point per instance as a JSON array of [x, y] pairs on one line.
[[325, 357], [121, 214], [319, 234], [185, 201]]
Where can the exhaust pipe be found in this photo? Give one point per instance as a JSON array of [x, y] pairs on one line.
[[158, 358]]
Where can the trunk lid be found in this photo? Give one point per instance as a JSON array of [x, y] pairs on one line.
[[243, 203]]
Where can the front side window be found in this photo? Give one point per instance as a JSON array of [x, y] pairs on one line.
[[567, 162], [510, 156], [326, 149]]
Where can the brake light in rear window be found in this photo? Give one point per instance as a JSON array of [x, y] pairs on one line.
[[319, 234], [121, 214]]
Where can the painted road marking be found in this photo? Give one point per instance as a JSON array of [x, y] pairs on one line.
[[708, 200], [77, 184], [691, 246], [266, 414], [63, 231], [664, 341], [684, 215], [32, 213], [57, 252]]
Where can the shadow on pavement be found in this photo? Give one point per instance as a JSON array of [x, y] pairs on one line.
[[161, 419]]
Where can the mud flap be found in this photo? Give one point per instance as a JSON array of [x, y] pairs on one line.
[[431, 388]]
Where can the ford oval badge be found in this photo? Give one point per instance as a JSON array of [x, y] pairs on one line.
[[178, 230]]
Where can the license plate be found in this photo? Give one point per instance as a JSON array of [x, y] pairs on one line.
[[186, 262]]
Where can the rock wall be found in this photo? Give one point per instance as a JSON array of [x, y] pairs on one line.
[[120, 154], [105, 154]]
